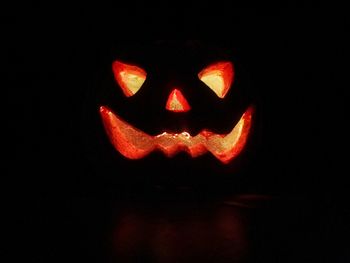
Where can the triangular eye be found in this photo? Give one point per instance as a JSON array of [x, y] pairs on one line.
[[129, 77], [218, 77]]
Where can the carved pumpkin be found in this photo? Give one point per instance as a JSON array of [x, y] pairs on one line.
[[181, 107]]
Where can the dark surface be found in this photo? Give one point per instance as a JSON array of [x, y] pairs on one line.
[[68, 211]]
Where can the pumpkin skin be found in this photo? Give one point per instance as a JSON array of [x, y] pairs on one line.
[[170, 66]]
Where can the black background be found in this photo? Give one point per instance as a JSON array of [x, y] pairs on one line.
[[66, 212]]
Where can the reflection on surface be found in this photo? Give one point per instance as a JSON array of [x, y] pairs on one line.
[[185, 232]]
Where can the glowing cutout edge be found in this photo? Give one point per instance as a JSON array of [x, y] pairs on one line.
[[134, 144]]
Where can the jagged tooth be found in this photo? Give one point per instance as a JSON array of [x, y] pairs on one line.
[[129, 141], [135, 144], [170, 144], [225, 148], [198, 146]]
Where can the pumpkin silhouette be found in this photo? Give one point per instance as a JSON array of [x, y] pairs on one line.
[[173, 112]]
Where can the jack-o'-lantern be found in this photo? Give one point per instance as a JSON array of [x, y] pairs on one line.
[[171, 110]]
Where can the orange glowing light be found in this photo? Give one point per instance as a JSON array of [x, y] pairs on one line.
[[177, 102], [218, 77], [129, 77], [136, 144]]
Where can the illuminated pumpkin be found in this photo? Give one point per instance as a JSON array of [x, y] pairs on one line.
[[183, 107], [135, 144]]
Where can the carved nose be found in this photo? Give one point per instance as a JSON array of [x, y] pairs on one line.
[[177, 102]]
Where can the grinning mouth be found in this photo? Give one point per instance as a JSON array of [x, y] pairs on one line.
[[136, 144]]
